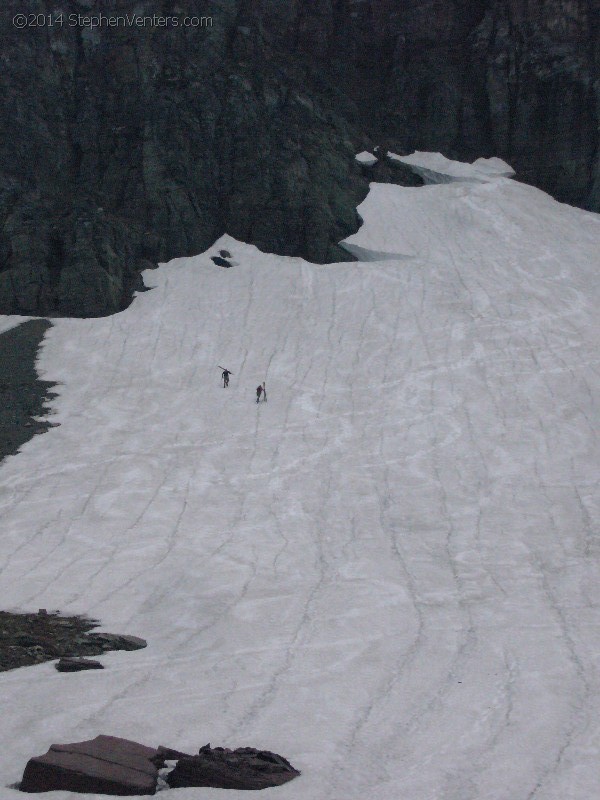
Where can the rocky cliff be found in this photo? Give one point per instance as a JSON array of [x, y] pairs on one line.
[[123, 145]]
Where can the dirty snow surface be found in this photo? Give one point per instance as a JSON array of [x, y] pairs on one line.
[[388, 573]]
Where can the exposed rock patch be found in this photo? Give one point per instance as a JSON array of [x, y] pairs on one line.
[[27, 639]]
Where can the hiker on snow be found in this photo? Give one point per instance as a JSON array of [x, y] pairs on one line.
[[225, 376], [261, 390]]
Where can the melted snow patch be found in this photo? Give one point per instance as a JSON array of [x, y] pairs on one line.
[[366, 158]]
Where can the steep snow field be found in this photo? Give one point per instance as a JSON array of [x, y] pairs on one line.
[[388, 572]]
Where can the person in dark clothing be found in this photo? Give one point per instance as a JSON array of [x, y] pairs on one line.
[[258, 393], [225, 376]]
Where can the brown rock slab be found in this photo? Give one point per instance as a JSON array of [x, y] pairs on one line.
[[104, 765], [168, 754], [221, 768]]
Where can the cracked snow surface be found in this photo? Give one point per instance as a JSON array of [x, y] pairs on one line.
[[389, 571]]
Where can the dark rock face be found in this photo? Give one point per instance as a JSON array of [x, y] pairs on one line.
[[513, 79], [104, 765], [120, 146], [221, 768], [22, 393]]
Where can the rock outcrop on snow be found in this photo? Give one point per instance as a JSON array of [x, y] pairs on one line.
[[77, 664], [222, 768], [104, 765], [115, 766]]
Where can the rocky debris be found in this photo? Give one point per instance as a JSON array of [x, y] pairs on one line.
[[225, 253], [104, 765], [77, 664], [222, 768], [27, 639]]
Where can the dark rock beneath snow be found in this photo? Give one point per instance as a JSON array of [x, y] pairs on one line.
[[77, 664], [225, 253], [221, 768], [104, 765]]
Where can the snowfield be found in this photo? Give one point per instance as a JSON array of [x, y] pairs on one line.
[[389, 572]]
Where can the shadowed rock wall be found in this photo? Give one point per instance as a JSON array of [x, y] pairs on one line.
[[123, 146]]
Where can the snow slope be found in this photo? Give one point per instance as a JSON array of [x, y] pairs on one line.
[[389, 572]]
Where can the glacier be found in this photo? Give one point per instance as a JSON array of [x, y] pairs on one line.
[[389, 572]]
